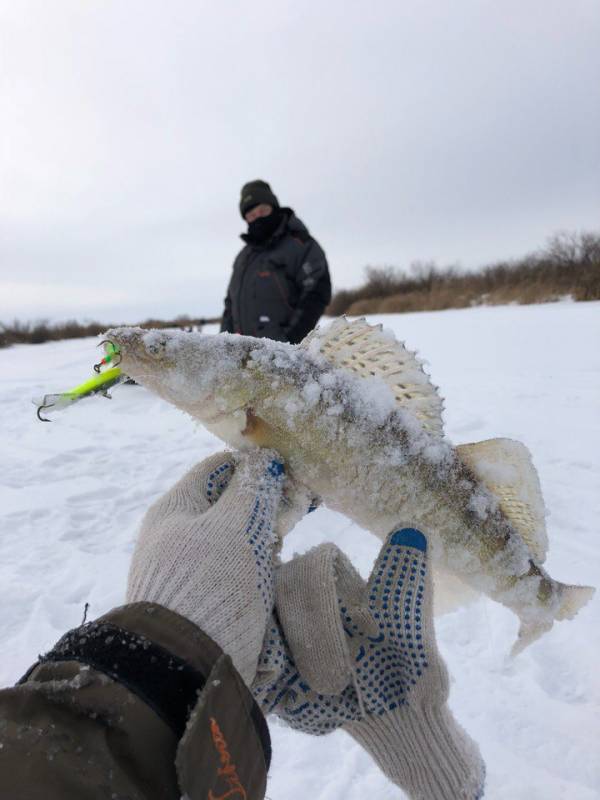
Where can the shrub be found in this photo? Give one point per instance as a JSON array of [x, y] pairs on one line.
[[568, 265], [43, 331]]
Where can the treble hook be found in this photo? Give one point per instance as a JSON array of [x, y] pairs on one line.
[[108, 358]]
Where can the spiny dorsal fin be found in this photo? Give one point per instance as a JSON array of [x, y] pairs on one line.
[[366, 351], [505, 467]]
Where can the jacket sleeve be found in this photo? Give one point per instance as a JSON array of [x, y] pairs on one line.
[[227, 319], [141, 705], [314, 287]]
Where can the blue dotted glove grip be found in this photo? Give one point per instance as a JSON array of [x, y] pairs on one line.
[[387, 665]]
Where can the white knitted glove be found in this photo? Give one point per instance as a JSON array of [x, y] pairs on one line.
[[205, 551], [364, 658]]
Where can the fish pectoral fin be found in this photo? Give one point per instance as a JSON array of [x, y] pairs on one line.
[[506, 469], [257, 430], [364, 350]]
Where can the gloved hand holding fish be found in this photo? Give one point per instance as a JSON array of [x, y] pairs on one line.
[[359, 424], [342, 653]]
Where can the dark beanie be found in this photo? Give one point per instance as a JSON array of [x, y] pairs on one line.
[[254, 193]]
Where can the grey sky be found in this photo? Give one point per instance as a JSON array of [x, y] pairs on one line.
[[456, 131]]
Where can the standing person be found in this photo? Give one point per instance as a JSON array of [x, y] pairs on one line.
[[280, 284]]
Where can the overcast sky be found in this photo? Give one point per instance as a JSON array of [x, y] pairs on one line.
[[458, 131]]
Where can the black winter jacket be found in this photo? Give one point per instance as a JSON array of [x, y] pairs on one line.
[[279, 289]]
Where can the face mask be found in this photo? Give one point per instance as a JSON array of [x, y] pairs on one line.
[[264, 227]]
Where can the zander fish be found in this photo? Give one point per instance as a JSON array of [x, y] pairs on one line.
[[359, 424]]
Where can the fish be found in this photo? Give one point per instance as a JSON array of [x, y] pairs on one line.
[[359, 424]]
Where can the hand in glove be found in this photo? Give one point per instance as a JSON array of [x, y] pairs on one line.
[[205, 551], [364, 658]]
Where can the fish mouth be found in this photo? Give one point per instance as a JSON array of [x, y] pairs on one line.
[[136, 349]]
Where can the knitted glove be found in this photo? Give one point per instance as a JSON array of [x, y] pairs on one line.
[[205, 551], [364, 658]]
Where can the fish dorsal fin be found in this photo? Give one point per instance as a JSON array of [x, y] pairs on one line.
[[367, 351], [505, 467]]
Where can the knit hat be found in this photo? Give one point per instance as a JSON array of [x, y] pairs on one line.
[[254, 193]]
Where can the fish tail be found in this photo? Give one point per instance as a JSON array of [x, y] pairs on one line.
[[572, 598], [528, 633]]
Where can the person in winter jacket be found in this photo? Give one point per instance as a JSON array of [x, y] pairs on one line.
[[152, 700], [167, 695], [280, 284]]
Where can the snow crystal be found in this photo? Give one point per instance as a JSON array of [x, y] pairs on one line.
[[292, 408], [374, 398], [481, 503], [311, 393], [496, 472]]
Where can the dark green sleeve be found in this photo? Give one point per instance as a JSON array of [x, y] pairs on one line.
[[71, 731]]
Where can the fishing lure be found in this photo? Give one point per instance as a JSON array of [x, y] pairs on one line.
[[100, 383]]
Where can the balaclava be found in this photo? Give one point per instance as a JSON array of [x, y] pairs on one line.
[[253, 194]]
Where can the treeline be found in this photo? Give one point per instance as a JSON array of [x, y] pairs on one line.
[[40, 332], [569, 265]]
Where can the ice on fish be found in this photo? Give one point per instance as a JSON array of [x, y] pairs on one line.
[[360, 424]]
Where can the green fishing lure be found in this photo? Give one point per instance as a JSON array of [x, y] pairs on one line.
[[100, 383]]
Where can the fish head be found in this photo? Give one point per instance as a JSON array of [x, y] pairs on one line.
[[208, 376]]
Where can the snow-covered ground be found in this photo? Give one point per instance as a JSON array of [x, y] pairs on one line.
[[72, 494]]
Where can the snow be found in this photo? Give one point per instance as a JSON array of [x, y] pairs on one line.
[[73, 492]]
